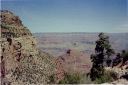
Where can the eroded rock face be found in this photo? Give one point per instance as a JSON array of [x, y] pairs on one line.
[[21, 62], [11, 25], [8, 17]]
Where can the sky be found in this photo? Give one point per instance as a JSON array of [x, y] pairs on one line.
[[71, 15]]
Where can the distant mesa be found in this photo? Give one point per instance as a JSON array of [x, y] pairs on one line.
[[11, 25]]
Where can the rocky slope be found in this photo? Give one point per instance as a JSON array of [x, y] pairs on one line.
[[21, 62], [12, 26]]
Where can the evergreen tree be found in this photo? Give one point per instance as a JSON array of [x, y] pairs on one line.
[[124, 55], [102, 49]]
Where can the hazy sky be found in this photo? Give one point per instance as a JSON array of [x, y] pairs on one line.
[[71, 15]]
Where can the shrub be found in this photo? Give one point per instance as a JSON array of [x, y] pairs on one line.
[[51, 79], [71, 79], [74, 78], [108, 76]]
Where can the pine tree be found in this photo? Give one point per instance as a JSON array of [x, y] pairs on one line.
[[102, 49]]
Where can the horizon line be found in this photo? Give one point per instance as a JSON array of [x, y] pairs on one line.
[[83, 32]]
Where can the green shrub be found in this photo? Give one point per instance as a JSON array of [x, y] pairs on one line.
[[86, 79], [108, 76], [71, 79], [51, 79]]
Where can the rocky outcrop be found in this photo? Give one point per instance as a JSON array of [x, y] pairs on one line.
[[11, 25], [21, 62], [8, 17], [121, 74]]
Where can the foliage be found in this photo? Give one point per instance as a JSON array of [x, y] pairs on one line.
[[124, 55], [121, 57], [4, 26], [71, 79], [108, 76], [74, 78], [85, 79], [51, 79], [102, 49]]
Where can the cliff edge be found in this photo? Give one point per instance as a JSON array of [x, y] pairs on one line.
[[21, 62]]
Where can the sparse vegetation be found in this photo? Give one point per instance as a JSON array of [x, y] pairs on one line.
[[71, 79], [108, 76], [75, 78], [51, 79]]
